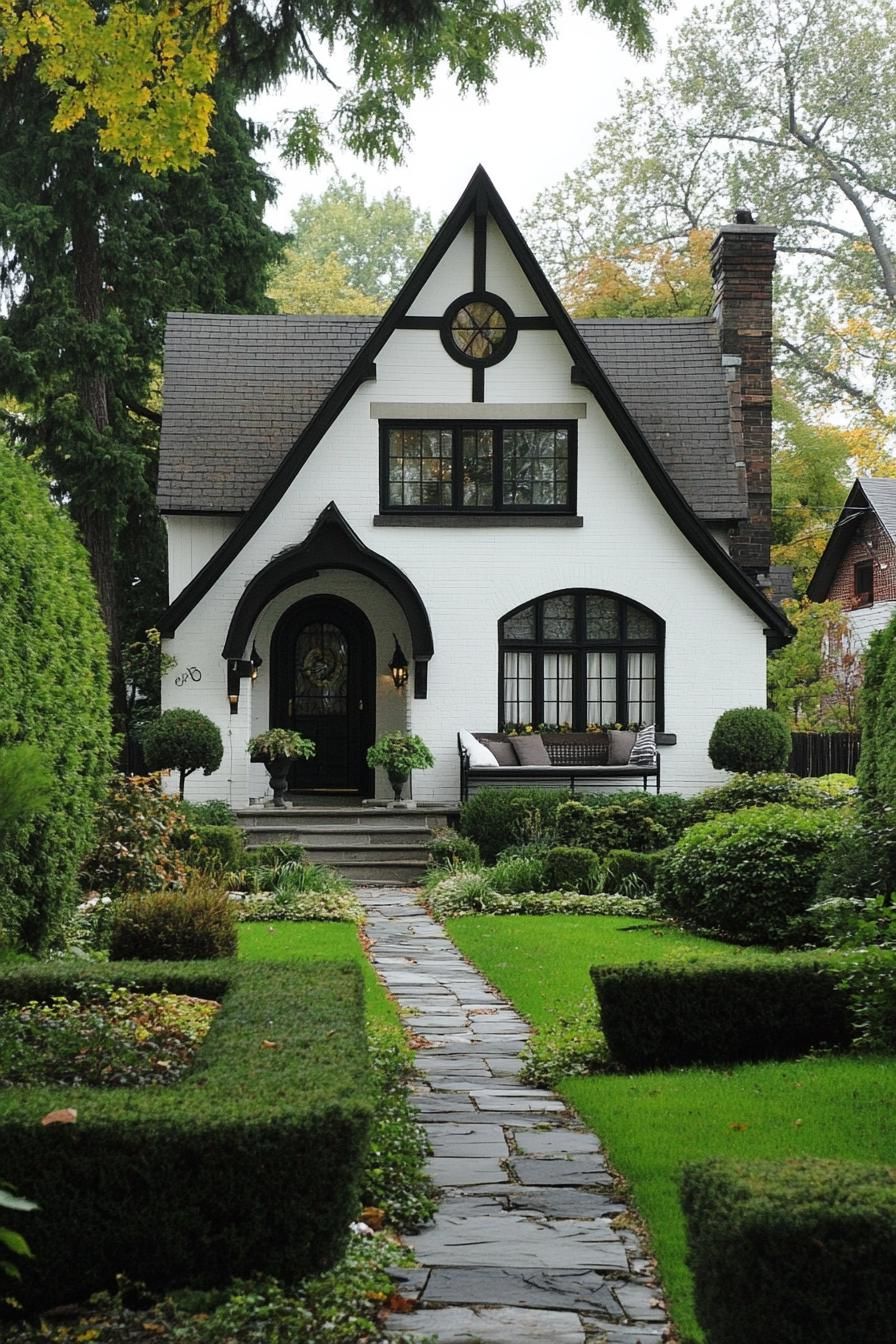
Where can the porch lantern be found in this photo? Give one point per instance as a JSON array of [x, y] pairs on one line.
[[236, 668], [256, 660], [398, 665]]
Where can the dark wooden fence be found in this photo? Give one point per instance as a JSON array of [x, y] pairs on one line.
[[815, 754]]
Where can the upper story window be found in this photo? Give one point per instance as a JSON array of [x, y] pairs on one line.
[[863, 583], [581, 658], [484, 467], [478, 329]]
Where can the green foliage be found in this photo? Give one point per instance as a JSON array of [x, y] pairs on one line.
[[801, 1251], [836, 786], [13, 1242], [139, 838], [757, 791], [278, 742], [25, 786], [572, 868], [196, 924], [53, 699], [749, 740], [314, 893], [628, 822], [374, 243], [571, 1046], [877, 764], [184, 740], [814, 682], [870, 982], [756, 1007], [751, 875], [448, 848], [492, 817], [517, 873], [277, 1099], [398, 753], [622, 864], [470, 893], [859, 867], [102, 1037], [216, 849], [274, 856], [213, 812], [395, 1177]]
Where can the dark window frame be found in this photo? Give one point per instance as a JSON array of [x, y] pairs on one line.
[[863, 592], [464, 301], [580, 647], [457, 429]]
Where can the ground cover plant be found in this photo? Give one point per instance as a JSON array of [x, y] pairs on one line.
[[835, 1107], [278, 1096], [112, 1036]]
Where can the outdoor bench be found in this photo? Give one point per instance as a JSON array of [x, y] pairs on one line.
[[574, 757]]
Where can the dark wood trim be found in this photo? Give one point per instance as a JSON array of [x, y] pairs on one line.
[[477, 383], [580, 648], [856, 508], [421, 680], [476, 361], [480, 238], [498, 508], [420, 518], [434, 323]]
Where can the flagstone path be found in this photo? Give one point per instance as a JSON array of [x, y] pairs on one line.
[[526, 1246]]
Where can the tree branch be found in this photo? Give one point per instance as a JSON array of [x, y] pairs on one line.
[[843, 385], [143, 411]]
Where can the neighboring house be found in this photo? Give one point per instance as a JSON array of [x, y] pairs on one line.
[[558, 521], [858, 565]]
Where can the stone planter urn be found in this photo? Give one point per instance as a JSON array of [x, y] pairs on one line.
[[398, 781], [278, 771], [274, 750]]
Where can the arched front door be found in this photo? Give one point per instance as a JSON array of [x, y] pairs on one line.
[[323, 685]]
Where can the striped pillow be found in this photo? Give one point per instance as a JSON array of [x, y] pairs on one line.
[[644, 750]]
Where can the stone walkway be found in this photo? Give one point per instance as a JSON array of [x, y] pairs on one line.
[[524, 1248]]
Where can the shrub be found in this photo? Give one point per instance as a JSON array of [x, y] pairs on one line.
[[624, 824], [449, 849], [273, 856], [452, 899], [572, 868], [519, 873], [184, 740], [277, 1101], [758, 791], [196, 924], [297, 907], [749, 875], [395, 1177], [54, 697], [749, 740], [876, 770], [139, 838], [861, 863], [216, 849], [802, 1250], [496, 817], [869, 978], [621, 864], [771, 1007], [213, 812], [571, 1046], [837, 786], [26, 786]]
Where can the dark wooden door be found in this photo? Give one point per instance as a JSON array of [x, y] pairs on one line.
[[323, 687]]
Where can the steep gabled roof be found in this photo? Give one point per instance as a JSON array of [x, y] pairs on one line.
[[479, 201], [868, 495], [238, 391]]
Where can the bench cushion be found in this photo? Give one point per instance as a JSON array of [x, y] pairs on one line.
[[478, 752], [620, 746], [530, 750], [502, 751]]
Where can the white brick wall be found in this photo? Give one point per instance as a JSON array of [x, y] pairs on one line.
[[469, 577]]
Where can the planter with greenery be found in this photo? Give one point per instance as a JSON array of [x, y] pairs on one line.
[[275, 749], [399, 753]]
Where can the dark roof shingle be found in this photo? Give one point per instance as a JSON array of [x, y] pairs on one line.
[[239, 390]]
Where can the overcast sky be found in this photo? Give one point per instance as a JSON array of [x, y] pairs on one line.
[[536, 124]]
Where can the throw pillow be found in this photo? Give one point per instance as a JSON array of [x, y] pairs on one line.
[[620, 746], [502, 751], [479, 754], [530, 750], [644, 750]]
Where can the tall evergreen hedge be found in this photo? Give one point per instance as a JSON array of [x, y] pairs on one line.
[[53, 696], [877, 763]]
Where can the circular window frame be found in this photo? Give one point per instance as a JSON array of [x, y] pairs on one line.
[[476, 361]]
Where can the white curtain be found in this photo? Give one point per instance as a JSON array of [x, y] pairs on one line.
[[641, 677], [518, 687], [558, 688], [600, 702]]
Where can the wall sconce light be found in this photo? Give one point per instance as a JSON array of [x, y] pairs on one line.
[[398, 666], [236, 668], [256, 660]]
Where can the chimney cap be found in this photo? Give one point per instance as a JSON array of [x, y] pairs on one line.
[[743, 216]]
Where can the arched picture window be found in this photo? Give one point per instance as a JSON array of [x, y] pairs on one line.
[[581, 658]]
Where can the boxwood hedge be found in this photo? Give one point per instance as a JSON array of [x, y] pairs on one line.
[[758, 1007], [799, 1252], [250, 1164]]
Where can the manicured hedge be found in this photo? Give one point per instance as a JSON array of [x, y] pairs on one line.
[[498, 818], [54, 696], [762, 1007], [797, 1252], [217, 848], [251, 1164]]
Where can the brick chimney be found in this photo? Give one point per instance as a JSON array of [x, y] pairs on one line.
[[743, 261]]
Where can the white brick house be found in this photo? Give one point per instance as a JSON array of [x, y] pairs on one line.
[[544, 514]]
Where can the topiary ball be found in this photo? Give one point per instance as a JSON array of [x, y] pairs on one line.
[[749, 741], [183, 740]]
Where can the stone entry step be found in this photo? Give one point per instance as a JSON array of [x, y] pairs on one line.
[[364, 844]]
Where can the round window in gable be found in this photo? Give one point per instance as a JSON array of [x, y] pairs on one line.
[[478, 330]]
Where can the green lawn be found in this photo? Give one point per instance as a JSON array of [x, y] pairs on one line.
[[652, 1123], [318, 941]]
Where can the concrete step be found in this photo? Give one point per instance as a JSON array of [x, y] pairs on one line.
[[367, 854], [388, 874], [287, 818], [364, 844]]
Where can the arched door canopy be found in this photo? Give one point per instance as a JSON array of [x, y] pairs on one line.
[[331, 544]]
